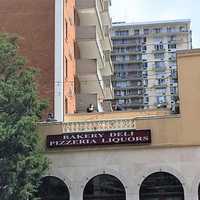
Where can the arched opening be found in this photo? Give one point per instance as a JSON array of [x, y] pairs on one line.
[[52, 188], [104, 187], [161, 186]]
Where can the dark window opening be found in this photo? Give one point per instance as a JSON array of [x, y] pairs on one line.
[[161, 186], [104, 187], [52, 188]]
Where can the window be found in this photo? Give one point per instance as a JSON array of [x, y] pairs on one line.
[[53, 188], [145, 82], [122, 33], [136, 32], [145, 66], [159, 47], [161, 99], [161, 91], [159, 55], [146, 100], [157, 30], [182, 29], [159, 64], [171, 46], [66, 68], [161, 81], [146, 31], [172, 38], [144, 48], [66, 105], [161, 185]]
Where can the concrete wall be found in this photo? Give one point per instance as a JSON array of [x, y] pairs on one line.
[[131, 166]]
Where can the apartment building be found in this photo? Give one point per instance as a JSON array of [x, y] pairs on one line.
[[144, 57], [94, 65], [69, 42]]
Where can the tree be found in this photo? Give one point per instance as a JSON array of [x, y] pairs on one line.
[[22, 163]]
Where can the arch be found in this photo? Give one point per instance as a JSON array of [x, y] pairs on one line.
[[53, 188], [112, 172], [161, 186], [104, 187]]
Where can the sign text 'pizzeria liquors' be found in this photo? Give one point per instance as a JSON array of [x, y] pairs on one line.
[[100, 138]]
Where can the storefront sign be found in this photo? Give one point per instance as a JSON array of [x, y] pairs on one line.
[[100, 138]]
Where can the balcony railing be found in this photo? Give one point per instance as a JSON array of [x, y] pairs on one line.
[[101, 125]]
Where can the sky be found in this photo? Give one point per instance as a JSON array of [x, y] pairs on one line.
[[154, 10]]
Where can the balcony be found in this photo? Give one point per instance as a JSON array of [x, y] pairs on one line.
[[105, 14], [90, 77], [84, 100], [128, 61], [128, 96], [108, 70], [108, 89], [134, 105], [160, 69], [89, 43], [160, 86], [89, 12], [108, 41]]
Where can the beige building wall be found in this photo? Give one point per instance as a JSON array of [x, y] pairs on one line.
[[175, 144]]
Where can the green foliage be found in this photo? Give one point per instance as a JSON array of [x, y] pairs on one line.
[[21, 162]]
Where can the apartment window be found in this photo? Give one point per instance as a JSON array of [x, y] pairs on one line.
[[161, 92], [66, 105], [171, 46], [146, 100], [161, 99], [182, 29], [121, 101], [169, 29], [137, 32], [122, 33], [159, 55], [66, 68], [159, 47], [146, 31], [145, 82], [161, 81], [144, 48], [145, 66], [172, 38], [157, 30], [159, 64], [173, 90]]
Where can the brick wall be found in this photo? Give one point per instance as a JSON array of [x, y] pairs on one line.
[[33, 21]]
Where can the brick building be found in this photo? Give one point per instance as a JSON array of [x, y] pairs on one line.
[[50, 32]]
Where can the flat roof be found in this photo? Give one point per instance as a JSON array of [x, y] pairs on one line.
[[181, 53], [118, 24]]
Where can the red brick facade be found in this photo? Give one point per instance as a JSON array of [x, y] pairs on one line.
[[34, 22]]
